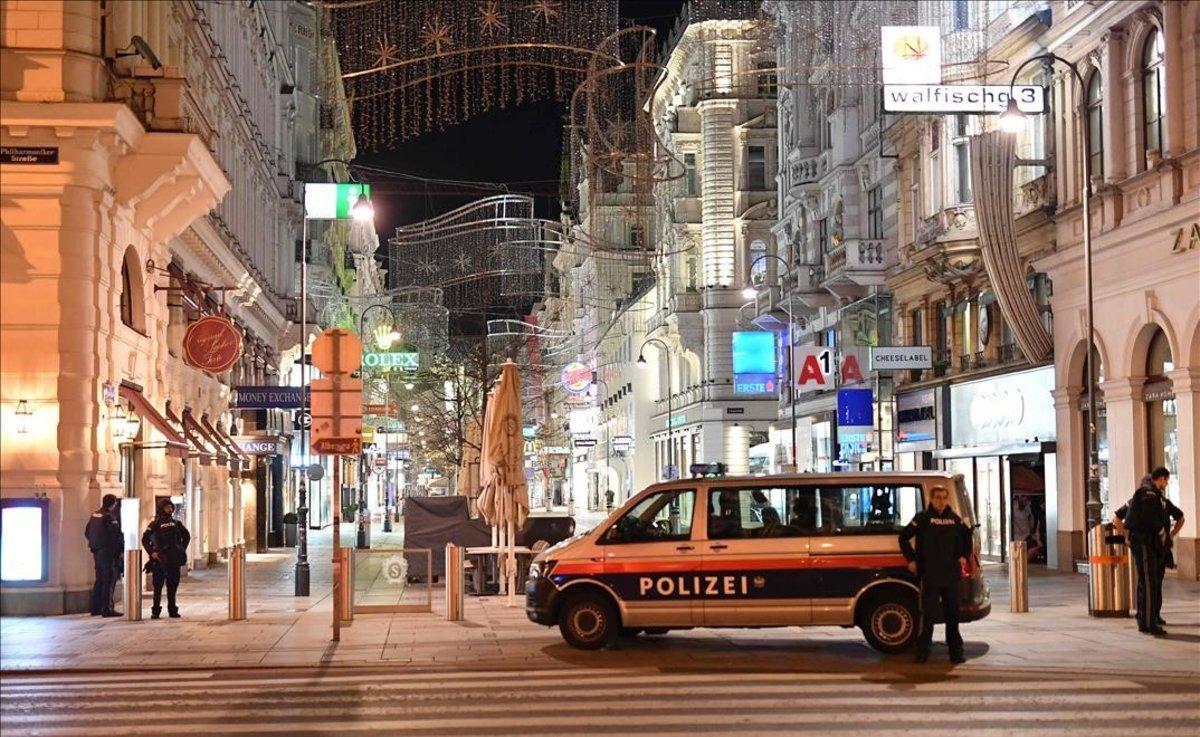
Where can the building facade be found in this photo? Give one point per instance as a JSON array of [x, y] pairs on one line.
[[714, 111], [823, 287], [161, 188], [1004, 402]]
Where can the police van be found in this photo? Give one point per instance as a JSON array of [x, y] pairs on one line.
[[773, 551]]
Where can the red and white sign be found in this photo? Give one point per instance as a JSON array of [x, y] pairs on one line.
[[819, 368], [576, 378], [213, 344], [814, 368]]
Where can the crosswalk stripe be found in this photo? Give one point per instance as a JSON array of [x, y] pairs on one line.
[[653, 681], [520, 721], [270, 706]]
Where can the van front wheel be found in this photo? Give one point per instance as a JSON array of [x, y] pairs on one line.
[[588, 621], [890, 623]]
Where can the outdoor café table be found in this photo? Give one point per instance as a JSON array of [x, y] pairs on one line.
[[486, 559]]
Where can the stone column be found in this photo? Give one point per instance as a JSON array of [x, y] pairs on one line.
[[1126, 425], [1071, 493], [1173, 135], [1116, 159], [1186, 384]]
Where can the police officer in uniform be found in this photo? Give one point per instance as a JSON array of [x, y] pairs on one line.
[[103, 533], [943, 544], [165, 541], [1148, 517]]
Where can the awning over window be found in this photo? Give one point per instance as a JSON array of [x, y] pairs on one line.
[[175, 445], [201, 437], [198, 448], [220, 439]]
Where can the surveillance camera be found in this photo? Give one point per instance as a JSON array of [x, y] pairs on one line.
[[146, 52]]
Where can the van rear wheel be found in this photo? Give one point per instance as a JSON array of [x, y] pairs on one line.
[[890, 622], [588, 621]]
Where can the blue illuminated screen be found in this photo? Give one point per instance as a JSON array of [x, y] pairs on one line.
[[754, 352]]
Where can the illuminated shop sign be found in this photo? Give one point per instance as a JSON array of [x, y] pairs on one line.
[[24, 540], [402, 361], [754, 362], [576, 378]]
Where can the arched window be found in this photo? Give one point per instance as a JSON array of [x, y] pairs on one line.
[[1152, 94], [1162, 438], [757, 261], [1095, 118], [827, 121], [126, 294], [133, 306]]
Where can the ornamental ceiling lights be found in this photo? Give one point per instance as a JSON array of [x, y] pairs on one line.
[[413, 67]]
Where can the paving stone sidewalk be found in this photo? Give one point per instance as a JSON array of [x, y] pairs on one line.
[[284, 630]]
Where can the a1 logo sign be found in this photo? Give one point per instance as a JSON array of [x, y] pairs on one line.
[[814, 368]]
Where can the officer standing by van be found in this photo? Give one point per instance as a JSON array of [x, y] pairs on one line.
[[103, 533], [943, 544], [165, 541]]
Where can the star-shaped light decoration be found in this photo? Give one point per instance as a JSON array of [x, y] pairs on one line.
[[491, 20], [385, 52], [436, 34], [462, 263], [427, 267], [546, 10]]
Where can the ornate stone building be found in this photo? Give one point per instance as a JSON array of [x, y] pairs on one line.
[[166, 190], [714, 110]]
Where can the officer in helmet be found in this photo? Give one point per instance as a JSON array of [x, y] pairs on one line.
[[165, 541]]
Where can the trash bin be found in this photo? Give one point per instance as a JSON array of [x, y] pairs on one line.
[[1108, 572]]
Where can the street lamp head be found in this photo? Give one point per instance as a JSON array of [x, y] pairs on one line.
[[363, 210], [1012, 120], [641, 362], [750, 292]]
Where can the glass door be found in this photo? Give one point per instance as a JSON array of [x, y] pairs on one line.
[[989, 506]]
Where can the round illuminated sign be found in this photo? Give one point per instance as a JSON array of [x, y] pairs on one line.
[[576, 378], [213, 344]]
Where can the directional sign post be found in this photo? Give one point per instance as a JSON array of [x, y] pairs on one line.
[[337, 430]]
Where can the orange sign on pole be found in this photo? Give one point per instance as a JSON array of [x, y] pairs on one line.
[[337, 430]]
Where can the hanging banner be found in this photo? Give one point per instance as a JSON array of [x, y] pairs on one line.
[[213, 344]]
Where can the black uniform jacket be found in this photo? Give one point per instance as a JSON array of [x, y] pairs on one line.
[[169, 537], [103, 533], [941, 540]]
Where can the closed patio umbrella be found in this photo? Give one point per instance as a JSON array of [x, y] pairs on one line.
[[504, 502]]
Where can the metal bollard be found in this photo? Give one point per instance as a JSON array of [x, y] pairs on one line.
[[133, 585], [1018, 577], [237, 582], [346, 571], [454, 582]]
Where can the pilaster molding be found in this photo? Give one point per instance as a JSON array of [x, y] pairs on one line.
[[1125, 389], [1185, 379]]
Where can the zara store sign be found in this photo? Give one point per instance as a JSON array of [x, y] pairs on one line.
[[1013, 408]]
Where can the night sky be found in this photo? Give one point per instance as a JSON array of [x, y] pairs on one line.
[[521, 147]]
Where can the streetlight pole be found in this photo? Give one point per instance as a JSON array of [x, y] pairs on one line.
[[751, 292], [363, 537], [362, 210], [302, 570], [1013, 115], [641, 361]]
